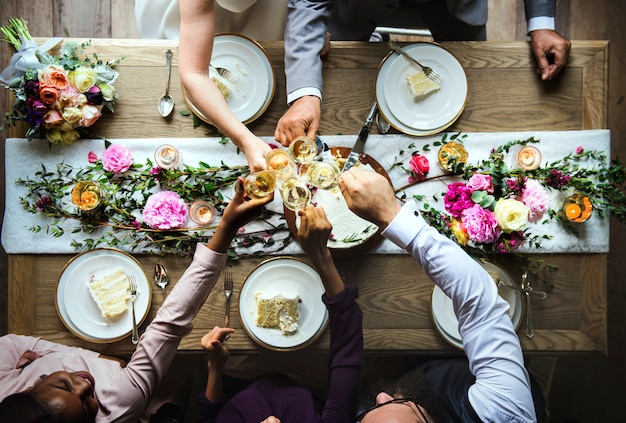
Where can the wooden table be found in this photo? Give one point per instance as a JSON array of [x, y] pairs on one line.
[[504, 95]]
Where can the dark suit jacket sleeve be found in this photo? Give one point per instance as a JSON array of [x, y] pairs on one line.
[[534, 8]]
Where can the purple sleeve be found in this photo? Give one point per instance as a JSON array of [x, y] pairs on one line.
[[346, 353]]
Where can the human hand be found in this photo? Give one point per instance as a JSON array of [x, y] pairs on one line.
[[314, 231], [369, 195], [551, 51], [242, 208], [213, 344], [302, 118], [255, 150]]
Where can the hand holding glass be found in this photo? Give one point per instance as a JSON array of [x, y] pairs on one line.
[[260, 184]]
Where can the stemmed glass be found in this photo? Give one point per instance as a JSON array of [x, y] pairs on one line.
[[296, 194], [260, 184], [323, 175], [303, 150], [279, 161]]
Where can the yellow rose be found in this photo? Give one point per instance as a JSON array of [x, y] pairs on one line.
[[68, 137], [108, 91], [83, 78], [511, 214], [54, 136], [458, 230], [72, 114]]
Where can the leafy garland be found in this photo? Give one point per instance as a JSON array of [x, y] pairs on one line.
[[116, 223], [604, 183]]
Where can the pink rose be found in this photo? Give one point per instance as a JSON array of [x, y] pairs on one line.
[[457, 199], [53, 117], [580, 150], [481, 224], [419, 163], [90, 115], [92, 157], [535, 198], [480, 182], [165, 210], [116, 159]]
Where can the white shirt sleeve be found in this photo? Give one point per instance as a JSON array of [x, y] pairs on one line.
[[541, 22], [502, 388]]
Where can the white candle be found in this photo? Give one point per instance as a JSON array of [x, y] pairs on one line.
[[167, 156], [201, 212], [529, 158]]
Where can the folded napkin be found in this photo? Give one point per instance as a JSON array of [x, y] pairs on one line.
[[23, 159]]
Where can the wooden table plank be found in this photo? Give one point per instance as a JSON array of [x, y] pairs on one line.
[[504, 95]]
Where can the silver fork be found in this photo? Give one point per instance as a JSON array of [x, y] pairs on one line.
[[228, 291], [429, 72], [225, 73], [529, 318], [133, 297]]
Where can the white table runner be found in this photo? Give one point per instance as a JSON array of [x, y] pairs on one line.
[[23, 159]]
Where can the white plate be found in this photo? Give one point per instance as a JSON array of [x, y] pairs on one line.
[[79, 312], [443, 312], [254, 89], [288, 276], [433, 113]]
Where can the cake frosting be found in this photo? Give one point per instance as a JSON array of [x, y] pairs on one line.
[[110, 292]]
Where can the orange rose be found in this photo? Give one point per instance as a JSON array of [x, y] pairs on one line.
[[86, 195], [48, 95], [54, 76], [53, 117], [459, 231]]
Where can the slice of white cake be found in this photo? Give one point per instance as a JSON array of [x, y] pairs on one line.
[[420, 85], [278, 312], [111, 293]]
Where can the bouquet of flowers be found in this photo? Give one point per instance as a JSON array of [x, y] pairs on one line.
[[57, 96]]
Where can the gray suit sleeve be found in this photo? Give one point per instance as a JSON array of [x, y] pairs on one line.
[[307, 24], [534, 8]]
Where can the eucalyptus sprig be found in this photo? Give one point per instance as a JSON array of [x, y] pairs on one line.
[[117, 221]]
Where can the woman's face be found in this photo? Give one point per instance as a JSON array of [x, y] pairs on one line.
[[70, 395]]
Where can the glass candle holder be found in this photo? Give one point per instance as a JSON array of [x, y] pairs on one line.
[[167, 156], [295, 193], [529, 158], [452, 157], [87, 195], [260, 184], [323, 175], [279, 161], [201, 212], [577, 208]]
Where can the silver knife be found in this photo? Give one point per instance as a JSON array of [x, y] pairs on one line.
[[353, 158]]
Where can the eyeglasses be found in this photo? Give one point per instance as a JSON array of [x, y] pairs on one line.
[[394, 401]]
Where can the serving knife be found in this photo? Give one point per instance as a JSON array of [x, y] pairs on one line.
[[353, 158]]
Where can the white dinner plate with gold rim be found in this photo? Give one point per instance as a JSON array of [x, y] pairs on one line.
[[433, 113], [284, 275], [442, 309], [252, 92], [78, 311]]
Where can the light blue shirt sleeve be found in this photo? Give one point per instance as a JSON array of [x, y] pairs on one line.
[[501, 392]]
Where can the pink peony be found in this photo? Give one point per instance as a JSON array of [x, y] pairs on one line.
[[535, 198], [165, 210], [481, 224], [457, 199], [480, 182], [116, 159]]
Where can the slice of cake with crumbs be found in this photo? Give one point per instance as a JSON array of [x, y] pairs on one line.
[[278, 312], [420, 85], [111, 293]]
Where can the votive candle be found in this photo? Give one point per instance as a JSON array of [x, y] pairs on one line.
[[166, 156], [529, 158], [201, 212]]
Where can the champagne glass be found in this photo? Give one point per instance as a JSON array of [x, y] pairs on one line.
[[260, 184], [296, 194], [303, 150], [323, 175], [279, 161]]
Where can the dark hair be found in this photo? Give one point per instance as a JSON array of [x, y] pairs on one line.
[[413, 384], [23, 407]]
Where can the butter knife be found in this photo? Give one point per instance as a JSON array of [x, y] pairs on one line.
[[353, 158]]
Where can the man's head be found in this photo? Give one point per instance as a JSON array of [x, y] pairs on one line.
[[58, 397]]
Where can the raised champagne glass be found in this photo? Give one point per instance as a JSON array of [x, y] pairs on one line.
[[279, 161], [296, 194], [303, 150], [260, 184], [323, 175]]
